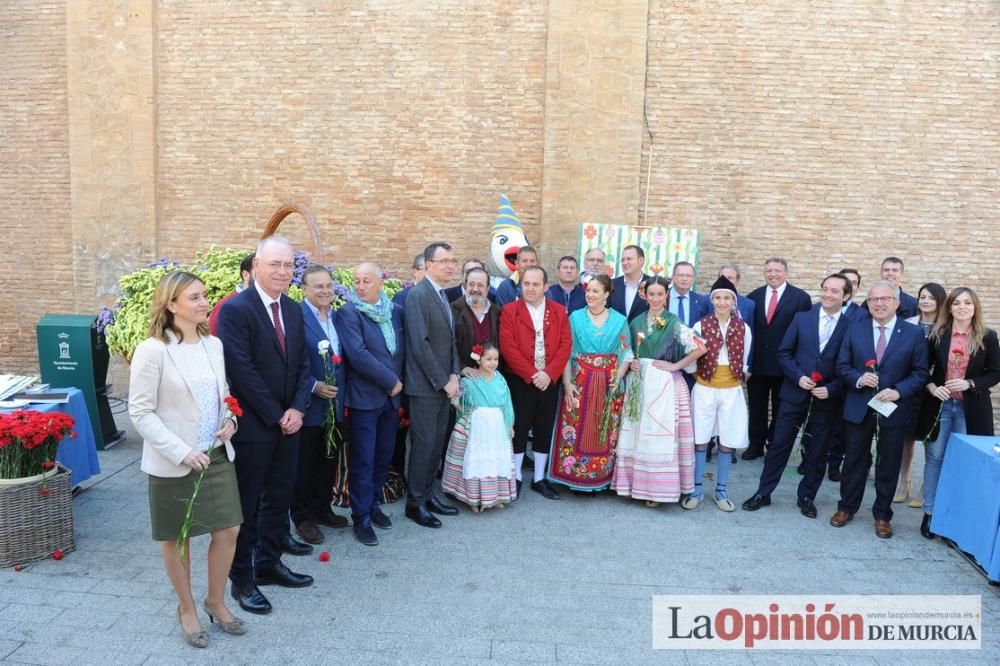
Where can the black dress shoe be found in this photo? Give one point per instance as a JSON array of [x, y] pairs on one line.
[[281, 575], [518, 491], [546, 490], [434, 505], [756, 502], [925, 527], [421, 516], [365, 534], [293, 547], [330, 519], [380, 520], [801, 469], [752, 454], [807, 507], [251, 599], [834, 474]]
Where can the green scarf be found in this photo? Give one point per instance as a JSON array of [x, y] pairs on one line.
[[381, 314]]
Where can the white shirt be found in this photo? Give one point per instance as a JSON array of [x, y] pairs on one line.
[[267, 304], [480, 316], [767, 296], [537, 313], [631, 290], [724, 352], [889, 327], [675, 304], [822, 318], [326, 323]]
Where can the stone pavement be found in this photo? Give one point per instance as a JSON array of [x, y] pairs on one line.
[[540, 582]]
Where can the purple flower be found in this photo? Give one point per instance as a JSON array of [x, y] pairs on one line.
[[105, 318], [301, 264], [163, 262], [341, 292]]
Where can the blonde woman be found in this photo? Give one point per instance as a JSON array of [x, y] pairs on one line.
[[176, 402]]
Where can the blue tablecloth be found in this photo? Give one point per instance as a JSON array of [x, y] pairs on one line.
[[78, 455], [967, 508]]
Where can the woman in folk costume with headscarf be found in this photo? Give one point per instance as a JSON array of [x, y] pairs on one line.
[[719, 404]]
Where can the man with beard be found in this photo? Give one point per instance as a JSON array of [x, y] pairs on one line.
[[476, 319]]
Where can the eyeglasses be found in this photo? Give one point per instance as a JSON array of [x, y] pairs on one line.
[[450, 262], [881, 299], [275, 265]]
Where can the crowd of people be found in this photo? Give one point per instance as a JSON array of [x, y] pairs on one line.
[[624, 384]]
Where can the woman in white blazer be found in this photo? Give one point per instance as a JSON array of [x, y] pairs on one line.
[[176, 402]]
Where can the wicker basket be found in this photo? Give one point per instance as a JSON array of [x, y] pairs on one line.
[[33, 525]]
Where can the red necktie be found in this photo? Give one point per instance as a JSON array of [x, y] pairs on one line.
[[277, 327], [880, 345], [772, 306]]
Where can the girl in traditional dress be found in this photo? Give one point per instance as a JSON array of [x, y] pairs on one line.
[[719, 404], [583, 448], [655, 456], [479, 465]]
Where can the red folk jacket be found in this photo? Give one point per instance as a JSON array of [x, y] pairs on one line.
[[517, 340]]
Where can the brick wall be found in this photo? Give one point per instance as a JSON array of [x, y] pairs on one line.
[[396, 125], [35, 243]]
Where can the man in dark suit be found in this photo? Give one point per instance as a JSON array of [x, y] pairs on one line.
[[262, 332], [313, 485], [775, 305], [853, 312], [808, 357], [567, 291], [746, 307], [476, 319], [884, 358], [510, 289], [371, 333], [686, 304], [535, 345], [246, 277], [419, 269], [892, 272], [626, 289], [431, 382], [852, 309]]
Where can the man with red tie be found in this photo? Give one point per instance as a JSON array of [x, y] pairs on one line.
[[775, 305], [534, 346]]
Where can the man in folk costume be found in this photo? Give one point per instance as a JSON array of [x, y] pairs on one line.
[[719, 405]]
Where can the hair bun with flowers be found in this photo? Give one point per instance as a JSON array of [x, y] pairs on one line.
[[477, 353]]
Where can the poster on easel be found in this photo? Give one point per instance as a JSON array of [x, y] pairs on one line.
[[664, 246]]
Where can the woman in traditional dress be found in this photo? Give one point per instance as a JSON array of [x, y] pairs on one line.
[[479, 465], [583, 448], [655, 456], [719, 404]]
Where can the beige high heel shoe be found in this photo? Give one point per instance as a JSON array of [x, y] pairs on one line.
[[903, 494], [237, 627], [198, 639]]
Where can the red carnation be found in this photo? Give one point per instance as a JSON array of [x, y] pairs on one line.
[[234, 405], [958, 353], [57, 554], [44, 491], [871, 363], [324, 556], [47, 464], [17, 567], [816, 376]]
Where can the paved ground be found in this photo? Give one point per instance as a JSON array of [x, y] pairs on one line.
[[568, 582]]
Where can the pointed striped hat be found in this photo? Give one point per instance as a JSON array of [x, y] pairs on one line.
[[506, 218]]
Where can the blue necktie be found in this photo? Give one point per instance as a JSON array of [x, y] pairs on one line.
[[680, 309]]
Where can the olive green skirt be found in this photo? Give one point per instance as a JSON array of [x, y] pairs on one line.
[[216, 507]]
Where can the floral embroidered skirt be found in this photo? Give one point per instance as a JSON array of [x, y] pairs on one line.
[[655, 455], [580, 458], [485, 491]]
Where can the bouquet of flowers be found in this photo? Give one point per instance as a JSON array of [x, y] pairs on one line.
[[29, 440], [233, 411], [330, 362]]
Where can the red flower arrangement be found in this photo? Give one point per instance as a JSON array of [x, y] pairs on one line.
[[29, 440]]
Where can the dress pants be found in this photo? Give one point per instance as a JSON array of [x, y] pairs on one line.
[[835, 458], [265, 471], [428, 423], [534, 412], [827, 416], [857, 458], [314, 483], [763, 392], [373, 442], [786, 428]]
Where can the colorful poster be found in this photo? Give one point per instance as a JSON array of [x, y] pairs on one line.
[[664, 246]]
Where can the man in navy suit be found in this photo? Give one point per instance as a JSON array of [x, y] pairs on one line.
[[853, 312], [314, 483], [808, 357], [567, 291], [892, 272], [775, 305], [371, 333], [885, 358], [626, 289], [419, 270], [852, 309], [262, 332], [686, 304]]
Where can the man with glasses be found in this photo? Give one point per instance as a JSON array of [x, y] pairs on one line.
[[883, 358], [593, 264], [431, 382]]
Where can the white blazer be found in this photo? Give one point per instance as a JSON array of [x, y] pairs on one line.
[[162, 407]]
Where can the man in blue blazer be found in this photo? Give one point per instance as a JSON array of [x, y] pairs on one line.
[[371, 333], [689, 306], [808, 357], [775, 305], [626, 289], [314, 483], [419, 269], [263, 335], [885, 358]]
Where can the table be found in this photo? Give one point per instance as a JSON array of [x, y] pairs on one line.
[[967, 507], [78, 455]]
